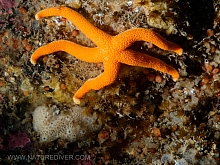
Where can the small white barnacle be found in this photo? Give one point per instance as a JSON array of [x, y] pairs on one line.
[[206, 61], [74, 136], [82, 131], [52, 124], [68, 131], [44, 138], [129, 3]]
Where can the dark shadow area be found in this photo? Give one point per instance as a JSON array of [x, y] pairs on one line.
[[199, 14]]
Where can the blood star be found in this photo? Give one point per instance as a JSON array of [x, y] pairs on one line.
[[110, 50]]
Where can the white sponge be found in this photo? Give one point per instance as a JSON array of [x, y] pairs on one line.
[[73, 124]]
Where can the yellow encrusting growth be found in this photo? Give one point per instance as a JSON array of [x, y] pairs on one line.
[[111, 50]]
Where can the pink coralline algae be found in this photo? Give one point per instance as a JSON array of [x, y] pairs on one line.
[[18, 140], [6, 4]]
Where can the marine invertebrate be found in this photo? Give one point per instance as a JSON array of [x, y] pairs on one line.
[[111, 50], [72, 124]]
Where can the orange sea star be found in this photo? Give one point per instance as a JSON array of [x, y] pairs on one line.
[[110, 50]]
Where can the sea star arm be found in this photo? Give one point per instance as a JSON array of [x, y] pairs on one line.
[[106, 78], [134, 58], [125, 39], [107, 51], [96, 35], [80, 52]]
